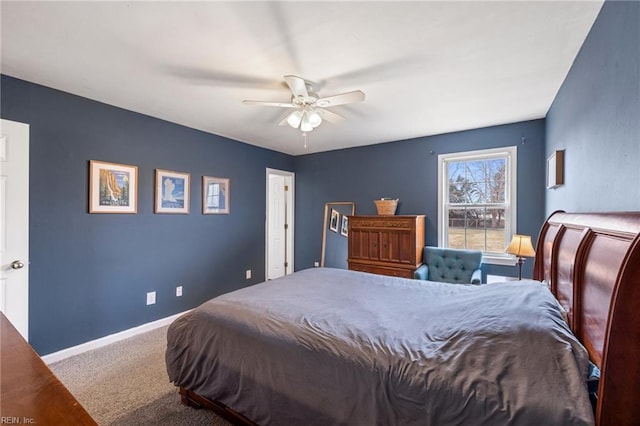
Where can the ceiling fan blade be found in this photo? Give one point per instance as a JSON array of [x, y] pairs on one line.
[[297, 85], [212, 77], [341, 99], [331, 117], [285, 119], [274, 104]]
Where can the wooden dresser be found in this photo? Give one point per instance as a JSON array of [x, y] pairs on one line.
[[30, 392], [386, 245]]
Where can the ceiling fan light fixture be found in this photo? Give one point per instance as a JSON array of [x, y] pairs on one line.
[[308, 108], [294, 119]]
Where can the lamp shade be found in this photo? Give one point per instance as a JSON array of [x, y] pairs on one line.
[[520, 246], [294, 119], [314, 119], [305, 125]]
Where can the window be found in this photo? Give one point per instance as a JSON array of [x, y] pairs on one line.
[[477, 201]]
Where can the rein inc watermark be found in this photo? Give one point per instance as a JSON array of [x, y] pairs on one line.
[[8, 420]]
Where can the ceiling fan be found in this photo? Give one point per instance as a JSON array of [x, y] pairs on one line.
[[310, 109]]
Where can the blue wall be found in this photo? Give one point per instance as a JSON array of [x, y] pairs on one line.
[[408, 170], [595, 117], [89, 273]]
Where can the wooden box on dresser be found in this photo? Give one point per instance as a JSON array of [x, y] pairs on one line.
[[386, 245]]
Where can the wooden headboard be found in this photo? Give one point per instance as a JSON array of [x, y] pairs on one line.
[[592, 264]]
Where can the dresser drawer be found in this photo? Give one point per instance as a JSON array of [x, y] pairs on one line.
[[393, 272], [382, 222]]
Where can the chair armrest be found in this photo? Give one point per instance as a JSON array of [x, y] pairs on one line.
[[476, 277], [421, 273]]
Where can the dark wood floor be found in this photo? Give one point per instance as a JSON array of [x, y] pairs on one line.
[[29, 392]]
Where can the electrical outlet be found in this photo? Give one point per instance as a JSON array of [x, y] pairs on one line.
[[248, 274], [179, 291], [316, 264], [151, 298]]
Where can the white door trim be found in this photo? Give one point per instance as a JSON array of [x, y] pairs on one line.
[[290, 200]]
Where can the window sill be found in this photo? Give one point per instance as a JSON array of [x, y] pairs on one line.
[[499, 260]]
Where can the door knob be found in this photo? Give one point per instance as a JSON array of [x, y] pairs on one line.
[[17, 264]]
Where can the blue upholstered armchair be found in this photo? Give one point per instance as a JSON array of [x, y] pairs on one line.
[[450, 265]]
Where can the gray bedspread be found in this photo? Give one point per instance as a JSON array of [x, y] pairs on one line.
[[328, 346]]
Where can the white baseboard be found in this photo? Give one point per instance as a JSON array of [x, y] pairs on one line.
[[112, 338]]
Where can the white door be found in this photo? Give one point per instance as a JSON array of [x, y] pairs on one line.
[[279, 235], [14, 224]]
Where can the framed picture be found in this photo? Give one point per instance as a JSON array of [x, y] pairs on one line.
[[113, 188], [335, 217], [344, 226], [215, 195], [172, 192], [555, 169]]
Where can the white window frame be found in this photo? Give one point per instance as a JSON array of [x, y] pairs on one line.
[[511, 153]]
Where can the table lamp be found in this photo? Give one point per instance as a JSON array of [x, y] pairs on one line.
[[521, 247]]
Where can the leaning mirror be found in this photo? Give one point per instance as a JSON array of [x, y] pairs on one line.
[[334, 233]]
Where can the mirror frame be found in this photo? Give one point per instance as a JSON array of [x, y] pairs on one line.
[[326, 218]]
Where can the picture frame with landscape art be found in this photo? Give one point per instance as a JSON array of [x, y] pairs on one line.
[[113, 187], [172, 192], [215, 195]]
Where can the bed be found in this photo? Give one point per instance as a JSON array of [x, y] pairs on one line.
[[326, 346]]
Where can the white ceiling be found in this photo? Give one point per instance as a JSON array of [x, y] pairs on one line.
[[426, 67]]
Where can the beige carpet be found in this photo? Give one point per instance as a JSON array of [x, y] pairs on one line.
[[126, 383]]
